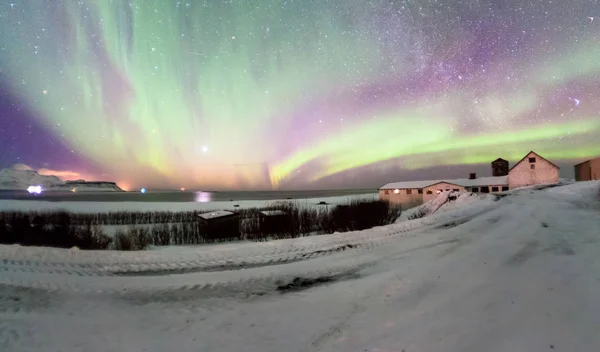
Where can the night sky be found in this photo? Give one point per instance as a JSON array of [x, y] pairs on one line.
[[295, 94]]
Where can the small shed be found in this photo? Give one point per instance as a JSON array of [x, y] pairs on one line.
[[588, 170], [275, 221], [220, 224]]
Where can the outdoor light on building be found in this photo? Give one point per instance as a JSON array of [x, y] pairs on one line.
[[396, 191]]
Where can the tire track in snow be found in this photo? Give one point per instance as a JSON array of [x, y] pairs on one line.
[[263, 278], [229, 284], [12, 333]]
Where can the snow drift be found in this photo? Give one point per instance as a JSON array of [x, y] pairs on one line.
[[443, 202]]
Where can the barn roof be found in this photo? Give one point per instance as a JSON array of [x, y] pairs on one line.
[[410, 184], [587, 161], [464, 182], [525, 157]]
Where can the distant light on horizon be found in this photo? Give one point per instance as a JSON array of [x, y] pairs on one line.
[[203, 197], [143, 190], [34, 189]]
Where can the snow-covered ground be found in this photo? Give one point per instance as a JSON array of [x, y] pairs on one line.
[[518, 273], [103, 207]]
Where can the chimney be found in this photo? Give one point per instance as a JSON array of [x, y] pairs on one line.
[[472, 176]]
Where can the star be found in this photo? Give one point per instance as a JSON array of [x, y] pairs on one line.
[[380, 82]]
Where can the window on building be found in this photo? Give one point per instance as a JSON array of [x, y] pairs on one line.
[[532, 166], [420, 191], [409, 191], [429, 191], [456, 190], [485, 189], [494, 189], [387, 192], [475, 189], [532, 160], [505, 188], [447, 189]]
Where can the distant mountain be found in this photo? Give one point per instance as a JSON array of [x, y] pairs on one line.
[[20, 177], [88, 186]]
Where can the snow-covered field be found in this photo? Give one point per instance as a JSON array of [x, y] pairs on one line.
[[103, 207], [518, 273]]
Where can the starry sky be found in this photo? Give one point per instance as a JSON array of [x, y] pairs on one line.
[[246, 94]]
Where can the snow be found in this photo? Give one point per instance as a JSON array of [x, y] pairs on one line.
[[465, 182], [443, 201], [516, 273], [273, 212], [103, 207]]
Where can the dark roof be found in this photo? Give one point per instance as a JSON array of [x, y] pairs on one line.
[[587, 161], [525, 157], [499, 159]]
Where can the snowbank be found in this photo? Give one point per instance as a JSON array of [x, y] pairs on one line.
[[443, 202], [588, 190]]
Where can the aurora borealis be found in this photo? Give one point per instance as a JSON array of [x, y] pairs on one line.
[[294, 94]]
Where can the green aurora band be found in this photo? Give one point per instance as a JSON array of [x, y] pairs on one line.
[[246, 95]]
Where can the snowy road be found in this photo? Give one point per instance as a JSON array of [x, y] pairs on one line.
[[521, 273]]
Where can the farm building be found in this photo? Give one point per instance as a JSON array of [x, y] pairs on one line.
[[588, 170], [531, 170]]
